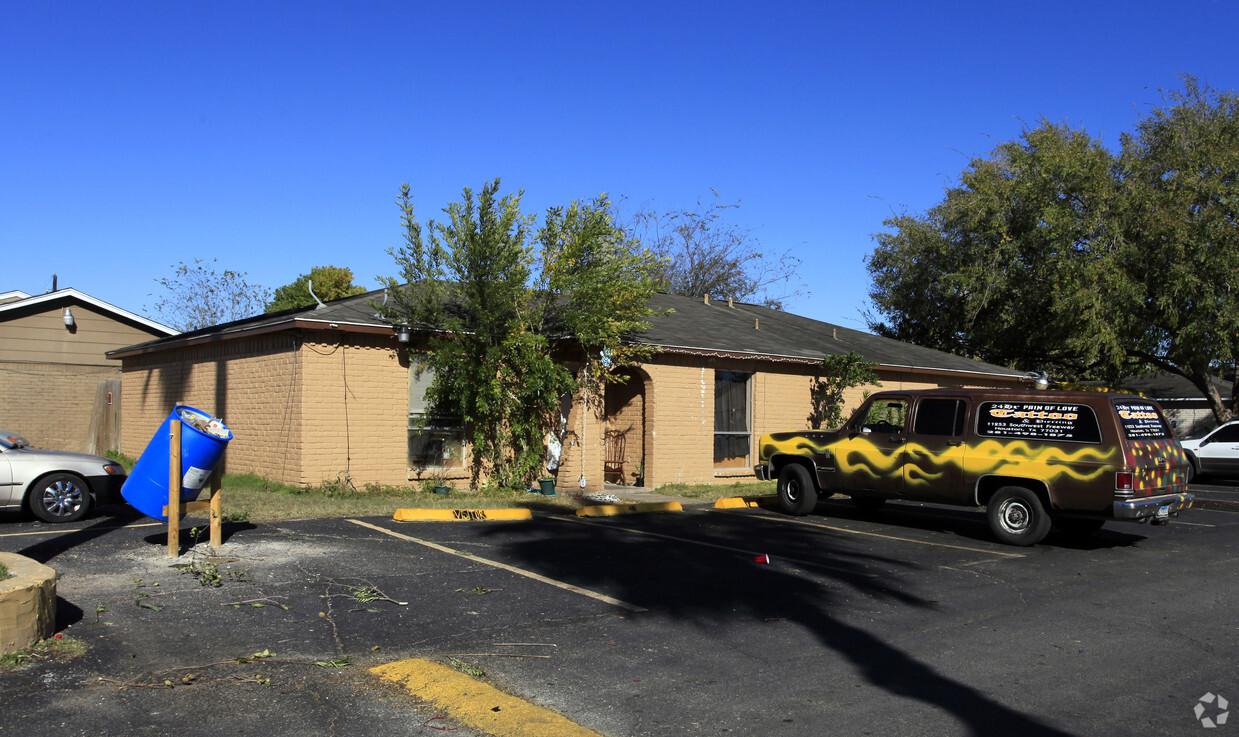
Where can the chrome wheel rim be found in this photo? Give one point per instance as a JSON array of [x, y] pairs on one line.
[[62, 498], [1014, 516]]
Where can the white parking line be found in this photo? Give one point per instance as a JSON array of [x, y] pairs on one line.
[[999, 553], [62, 530], [511, 569]]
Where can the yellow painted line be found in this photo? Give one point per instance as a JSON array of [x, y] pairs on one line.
[[62, 530], [475, 704], [716, 546], [504, 566], [610, 510], [998, 553], [741, 502], [461, 515]]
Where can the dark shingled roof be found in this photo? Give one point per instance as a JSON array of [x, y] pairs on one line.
[[685, 324], [753, 330]]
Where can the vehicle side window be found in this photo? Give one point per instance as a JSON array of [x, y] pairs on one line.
[[940, 417], [1229, 434], [885, 415]]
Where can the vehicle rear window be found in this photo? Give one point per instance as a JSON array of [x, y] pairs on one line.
[[1141, 420], [1074, 423]]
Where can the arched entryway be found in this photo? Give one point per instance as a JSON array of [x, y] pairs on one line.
[[624, 406]]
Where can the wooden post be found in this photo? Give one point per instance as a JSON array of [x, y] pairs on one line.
[[176, 506], [217, 510], [173, 510]]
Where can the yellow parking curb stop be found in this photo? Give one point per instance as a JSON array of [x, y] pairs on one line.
[[738, 502], [461, 515], [476, 704], [609, 510]]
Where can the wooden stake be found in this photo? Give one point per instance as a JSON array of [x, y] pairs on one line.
[[174, 491]]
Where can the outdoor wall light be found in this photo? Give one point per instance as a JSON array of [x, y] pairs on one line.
[[68, 318], [402, 333]]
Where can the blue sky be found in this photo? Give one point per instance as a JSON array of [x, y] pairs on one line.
[[273, 136]]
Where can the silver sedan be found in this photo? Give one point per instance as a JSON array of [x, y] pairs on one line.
[[55, 485]]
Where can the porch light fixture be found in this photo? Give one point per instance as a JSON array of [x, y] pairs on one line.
[[402, 333], [68, 318]]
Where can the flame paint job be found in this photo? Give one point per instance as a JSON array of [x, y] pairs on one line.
[[1077, 475]]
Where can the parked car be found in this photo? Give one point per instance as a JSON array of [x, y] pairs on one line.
[[1216, 453], [56, 486]]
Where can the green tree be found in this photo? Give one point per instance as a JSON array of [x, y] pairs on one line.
[[1054, 253], [1007, 267], [327, 282], [500, 333], [1181, 188], [841, 371], [702, 253], [197, 296]]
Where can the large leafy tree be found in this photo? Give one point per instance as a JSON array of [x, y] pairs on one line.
[[1181, 187], [198, 295], [501, 329], [326, 283], [1054, 253], [704, 253]]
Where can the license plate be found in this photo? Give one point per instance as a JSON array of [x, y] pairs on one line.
[[1163, 512]]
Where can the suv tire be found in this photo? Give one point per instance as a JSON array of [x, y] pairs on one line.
[[1017, 517], [797, 493]]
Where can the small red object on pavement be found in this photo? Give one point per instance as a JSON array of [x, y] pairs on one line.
[[762, 559]]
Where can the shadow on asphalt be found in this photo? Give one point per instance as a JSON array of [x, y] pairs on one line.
[[971, 525], [199, 534], [114, 518], [701, 589]]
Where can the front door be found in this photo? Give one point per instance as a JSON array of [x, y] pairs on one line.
[[869, 457]]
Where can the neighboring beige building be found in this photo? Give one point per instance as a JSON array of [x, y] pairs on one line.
[[328, 394], [57, 387]]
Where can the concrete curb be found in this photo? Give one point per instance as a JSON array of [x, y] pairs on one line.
[[461, 515], [742, 502], [477, 704], [27, 603]]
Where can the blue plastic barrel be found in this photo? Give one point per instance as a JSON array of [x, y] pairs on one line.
[[203, 441]]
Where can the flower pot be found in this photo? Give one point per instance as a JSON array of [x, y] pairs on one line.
[[547, 486]]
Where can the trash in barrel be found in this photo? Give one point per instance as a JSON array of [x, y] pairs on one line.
[[203, 440]]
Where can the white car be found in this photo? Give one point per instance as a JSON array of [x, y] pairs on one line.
[[55, 485], [1216, 453]]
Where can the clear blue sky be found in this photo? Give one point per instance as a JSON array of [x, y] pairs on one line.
[[273, 136]]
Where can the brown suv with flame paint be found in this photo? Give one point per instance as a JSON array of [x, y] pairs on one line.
[[1032, 458]]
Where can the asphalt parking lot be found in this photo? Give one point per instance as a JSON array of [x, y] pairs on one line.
[[911, 621]]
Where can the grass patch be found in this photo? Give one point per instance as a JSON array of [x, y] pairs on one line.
[[54, 648], [4, 571], [252, 498]]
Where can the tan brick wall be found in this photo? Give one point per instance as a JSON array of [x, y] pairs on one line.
[[52, 405], [355, 412], [253, 384]]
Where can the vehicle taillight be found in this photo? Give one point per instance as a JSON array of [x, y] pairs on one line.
[[1124, 481]]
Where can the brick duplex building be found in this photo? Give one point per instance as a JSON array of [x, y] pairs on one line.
[[329, 393]]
